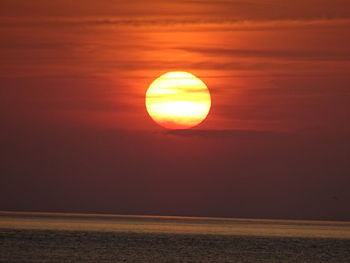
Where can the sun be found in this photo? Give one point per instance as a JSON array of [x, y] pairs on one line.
[[178, 100]]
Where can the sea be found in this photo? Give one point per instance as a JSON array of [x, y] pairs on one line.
[[60, 237]]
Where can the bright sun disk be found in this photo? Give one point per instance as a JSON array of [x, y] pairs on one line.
[[178, 100]]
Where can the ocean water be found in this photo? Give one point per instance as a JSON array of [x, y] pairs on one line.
[[43, 237]]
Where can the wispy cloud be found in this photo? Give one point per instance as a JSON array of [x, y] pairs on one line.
[[179, 23], [226, 134], [338, 55], [234, 9]]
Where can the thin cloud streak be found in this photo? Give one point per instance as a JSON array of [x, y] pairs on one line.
[[226, 134], [236, 9], [322, 55], [176, 22]]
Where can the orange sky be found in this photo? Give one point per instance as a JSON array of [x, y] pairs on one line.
[[83, 67], [258, 65]]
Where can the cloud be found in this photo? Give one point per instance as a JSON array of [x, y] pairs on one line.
[[177, 23], [330, 55], [234, 9], [226, 134]]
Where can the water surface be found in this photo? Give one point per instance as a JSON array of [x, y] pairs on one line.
[[44, 237]]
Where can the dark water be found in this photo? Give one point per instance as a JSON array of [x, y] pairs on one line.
[[72, 238]]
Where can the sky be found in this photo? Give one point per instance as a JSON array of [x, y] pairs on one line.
[[76, 137]]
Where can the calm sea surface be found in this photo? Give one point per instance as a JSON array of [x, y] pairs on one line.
[[43, 237]]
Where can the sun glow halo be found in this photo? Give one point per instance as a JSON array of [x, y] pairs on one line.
[[178, 100]]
